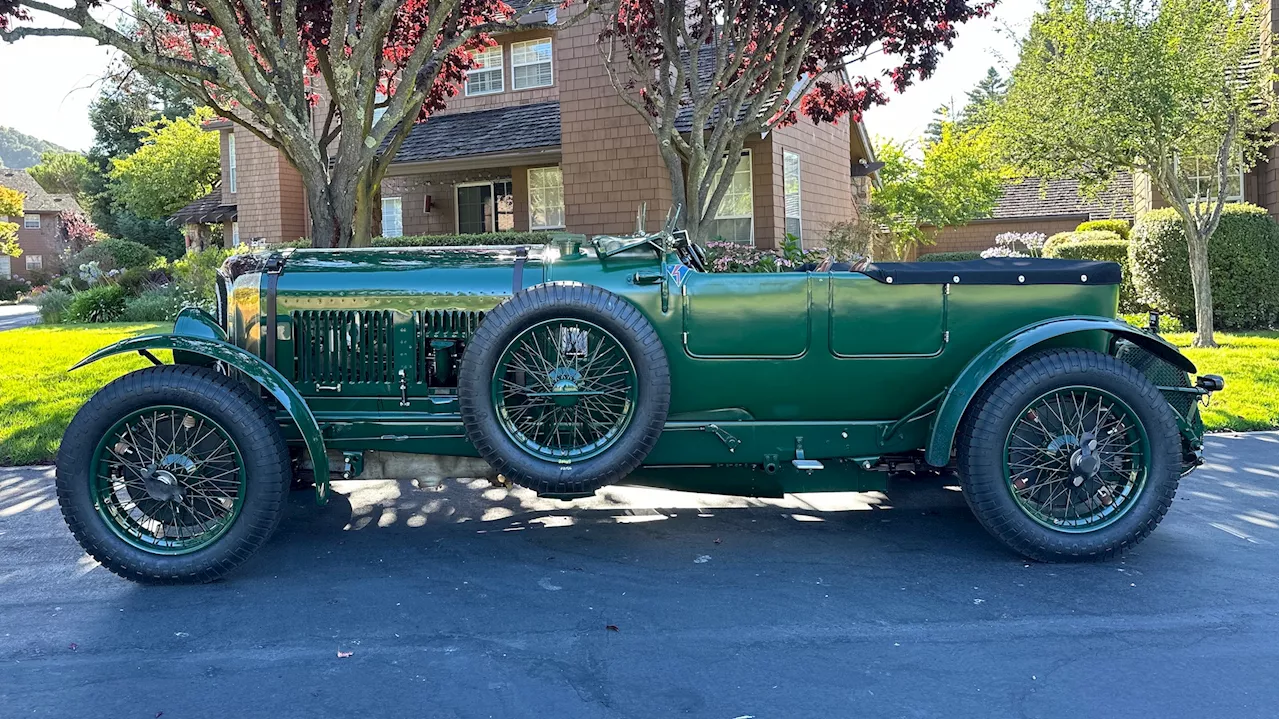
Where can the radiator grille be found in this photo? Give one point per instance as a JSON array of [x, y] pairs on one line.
[[1160, 374], [334, 346]]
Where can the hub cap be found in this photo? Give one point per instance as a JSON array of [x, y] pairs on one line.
[[168, 480], [1076, 459], [564, 390]]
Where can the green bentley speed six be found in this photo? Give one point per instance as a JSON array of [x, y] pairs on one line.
[[567, 367]]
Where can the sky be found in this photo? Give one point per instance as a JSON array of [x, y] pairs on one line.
[[48, 83]]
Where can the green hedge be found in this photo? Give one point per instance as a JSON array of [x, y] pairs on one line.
[[113, 254], [1064, 238], [1116, 251], [949, 256], [1243, 256], [1120, 227], [490, 238]]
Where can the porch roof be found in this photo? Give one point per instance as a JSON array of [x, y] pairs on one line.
[[485, 132], [206, 210]]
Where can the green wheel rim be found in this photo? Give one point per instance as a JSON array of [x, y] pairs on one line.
[[564, 390], [168, 480], [1076, 459]]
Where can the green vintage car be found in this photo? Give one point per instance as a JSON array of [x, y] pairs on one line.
[[567, 367]]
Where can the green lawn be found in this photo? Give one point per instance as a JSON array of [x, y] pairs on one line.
[[38, 397], [1248, 362]]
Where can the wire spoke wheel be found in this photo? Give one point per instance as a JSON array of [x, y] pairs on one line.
[[564, 390], [1076, 459], [168, 480]]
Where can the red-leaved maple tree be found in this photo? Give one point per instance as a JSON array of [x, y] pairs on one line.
[[335, 86], [737, 68]]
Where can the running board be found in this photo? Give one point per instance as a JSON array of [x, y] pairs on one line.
[[806, 464]]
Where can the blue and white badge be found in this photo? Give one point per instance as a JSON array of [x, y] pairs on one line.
[[677, 272]]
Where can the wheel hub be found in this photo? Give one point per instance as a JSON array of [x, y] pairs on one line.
[[162, 486], [564, 386]]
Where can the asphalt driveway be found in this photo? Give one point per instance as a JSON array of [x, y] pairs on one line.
[[477, 602], [15, 316]]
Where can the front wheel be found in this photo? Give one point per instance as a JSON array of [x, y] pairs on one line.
[[172, 474], [1069, 455]]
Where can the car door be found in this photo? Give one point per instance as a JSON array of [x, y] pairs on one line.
[[874, 319], [731, 315]]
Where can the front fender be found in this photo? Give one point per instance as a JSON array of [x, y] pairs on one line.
[[971, 379], [252, 367]]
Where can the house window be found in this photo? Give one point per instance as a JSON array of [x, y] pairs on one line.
[[392, 217], [485, 78], [546, 198], [531, 64], [34, 262], [231, 162], [31, 222], [735, 219], [5, 270], [1203, 179], [235, 234], [791, 191]]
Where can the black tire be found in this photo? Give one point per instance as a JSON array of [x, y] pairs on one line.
[[989, 420], [240, 412], [574, 301]]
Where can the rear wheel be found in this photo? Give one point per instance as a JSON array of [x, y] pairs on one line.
[[1069, 455], [564, 388], [172, 474]]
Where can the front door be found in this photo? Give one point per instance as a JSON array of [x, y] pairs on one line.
[[485, 207]]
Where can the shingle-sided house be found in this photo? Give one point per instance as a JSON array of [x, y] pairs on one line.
[[538, 139], [1032, 205], [39, 229]]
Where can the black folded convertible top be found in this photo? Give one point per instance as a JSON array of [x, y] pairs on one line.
[[996, 271]]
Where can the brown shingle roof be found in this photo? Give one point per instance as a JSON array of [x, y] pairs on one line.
[[1033, 197], [206, 210], [36, 200]]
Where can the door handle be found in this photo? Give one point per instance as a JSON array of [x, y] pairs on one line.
[[646, 278]]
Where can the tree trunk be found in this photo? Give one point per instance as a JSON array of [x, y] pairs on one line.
[[332, 214], [1198, 254], [362, 229]]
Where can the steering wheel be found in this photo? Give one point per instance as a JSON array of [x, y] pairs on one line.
[[698, 255], [690, 253]]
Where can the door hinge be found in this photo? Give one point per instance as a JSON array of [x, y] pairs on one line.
[[946, 336]]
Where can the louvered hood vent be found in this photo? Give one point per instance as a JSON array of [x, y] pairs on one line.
[[336, 346]]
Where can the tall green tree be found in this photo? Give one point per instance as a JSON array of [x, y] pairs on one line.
[[983, 99], [131, 101], [62, 173], [1167, 88], [176, 163], [956, 180], [10, 206]]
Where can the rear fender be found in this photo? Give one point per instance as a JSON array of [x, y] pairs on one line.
[[212, 347], [972, 378]]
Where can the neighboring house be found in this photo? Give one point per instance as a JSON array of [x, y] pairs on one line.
[[39, 230], [538, 140], [1034, 206]]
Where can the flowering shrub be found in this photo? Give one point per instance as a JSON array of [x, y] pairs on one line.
[[1016, 244], [725, 256]]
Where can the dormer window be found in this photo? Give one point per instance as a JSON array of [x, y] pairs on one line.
[[485, 78]]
